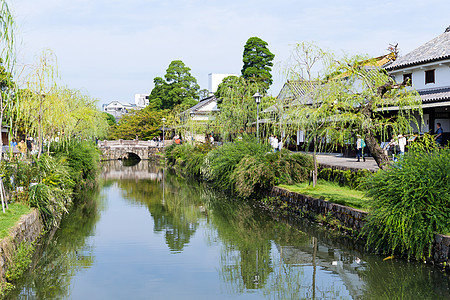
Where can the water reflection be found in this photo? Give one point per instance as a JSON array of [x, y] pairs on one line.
[[205, 244], [62, 253]]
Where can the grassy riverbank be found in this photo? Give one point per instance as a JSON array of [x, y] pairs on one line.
[[11, 217], [49, 183], [331, 192]]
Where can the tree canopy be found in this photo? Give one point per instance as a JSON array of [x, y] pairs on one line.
[[258, 64], [145, 124], [350, 97], [177, 88]]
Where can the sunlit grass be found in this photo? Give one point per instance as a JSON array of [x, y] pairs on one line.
[[11, 217], [329, 191]]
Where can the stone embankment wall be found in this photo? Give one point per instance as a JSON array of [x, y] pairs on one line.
[[352, 218], [27, 229]]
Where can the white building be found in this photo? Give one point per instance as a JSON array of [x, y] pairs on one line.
[[118, 109], [141, 100], [428, 68], [215, 79]]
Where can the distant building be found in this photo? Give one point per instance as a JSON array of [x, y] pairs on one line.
[[141, 100], [215, 79], [118, 109], [428, 69]]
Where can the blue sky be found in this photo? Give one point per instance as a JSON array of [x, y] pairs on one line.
[[113, 49]]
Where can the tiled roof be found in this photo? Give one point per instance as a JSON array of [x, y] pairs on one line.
[[199, 105], [438, 94], [434, 50]]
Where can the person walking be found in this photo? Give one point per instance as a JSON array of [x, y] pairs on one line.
[[360, 144], [22, 148], [274, 144], [401, 144], [439, 131]]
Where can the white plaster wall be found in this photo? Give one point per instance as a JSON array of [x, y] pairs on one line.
[[442, 75]]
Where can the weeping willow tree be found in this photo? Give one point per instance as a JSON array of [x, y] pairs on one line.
[[54, 112], [7, 61], [349, 97], [64, 114], [237, 106]]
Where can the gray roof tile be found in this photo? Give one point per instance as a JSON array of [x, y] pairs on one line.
[[438, 94], [434, 50]]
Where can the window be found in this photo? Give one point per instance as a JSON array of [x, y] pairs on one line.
[[407, 77], [429, 76]]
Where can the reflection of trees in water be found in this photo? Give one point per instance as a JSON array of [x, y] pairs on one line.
[[60, 256], [393, 279], [175, 212], [248, 235]]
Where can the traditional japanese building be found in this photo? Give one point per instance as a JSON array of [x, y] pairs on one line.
[[428, 69]]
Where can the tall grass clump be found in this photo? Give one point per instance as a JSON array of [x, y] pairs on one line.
[[410, 202], [83, 159], [52, 191], [187, 158], [259, 172], [219, 164]]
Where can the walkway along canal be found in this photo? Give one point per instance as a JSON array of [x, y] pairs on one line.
[[157, 236]]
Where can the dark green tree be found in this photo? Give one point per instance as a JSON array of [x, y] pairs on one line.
[[257, 60], [177, 88]]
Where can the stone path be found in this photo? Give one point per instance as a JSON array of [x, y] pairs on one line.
[[349, 162]]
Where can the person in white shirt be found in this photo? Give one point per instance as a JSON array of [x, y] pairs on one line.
[[274, 144]]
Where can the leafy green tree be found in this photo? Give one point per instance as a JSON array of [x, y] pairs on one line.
[[109, 118], [7, 59], [348, 98], [237, 106], [145, 124], [258, 64], [177, 88]]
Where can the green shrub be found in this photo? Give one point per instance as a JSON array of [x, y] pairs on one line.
[[52, 191], [350, 178], [219, 164], [410, 202], [187, 158], [83, 159], [255, 172], [20, 261]]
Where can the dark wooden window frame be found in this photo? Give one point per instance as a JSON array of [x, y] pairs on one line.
[[430, 76]]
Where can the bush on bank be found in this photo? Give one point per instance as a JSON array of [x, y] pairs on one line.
[[410, 202], [244, 166], [49, 183]]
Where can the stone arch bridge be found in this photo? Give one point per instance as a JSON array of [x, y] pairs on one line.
[[121, 149]]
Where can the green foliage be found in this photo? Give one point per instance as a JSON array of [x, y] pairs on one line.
[[145, 124], [11, 217], [257, 60], [220, 163], [82, 158], [187, 158], [410, 201], [109, 118], [256, 172], [52, 192], [179, 88], [20, 261], [237, 106], [350, 178], [330, 191], [351, 101]]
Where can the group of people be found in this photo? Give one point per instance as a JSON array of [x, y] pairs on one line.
[[397, 145], [24, 146], [276, 144]]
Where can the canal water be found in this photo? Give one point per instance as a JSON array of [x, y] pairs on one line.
[[147, 234]]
